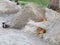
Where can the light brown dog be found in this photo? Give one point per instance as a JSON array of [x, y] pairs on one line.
[[41, 19], [40, 30]]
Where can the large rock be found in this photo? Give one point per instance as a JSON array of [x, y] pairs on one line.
[[53, 27], [8, 7], [51, 14], [29, 11]]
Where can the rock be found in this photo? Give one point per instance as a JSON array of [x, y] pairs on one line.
[[53, 27], [35, 27], [29, 11], [11, 36], [52, 15], [41, 19], [8, 7], [35, 10]]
